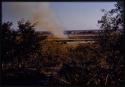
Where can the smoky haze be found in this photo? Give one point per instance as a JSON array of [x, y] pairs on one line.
[[41, 13], [45, 18]]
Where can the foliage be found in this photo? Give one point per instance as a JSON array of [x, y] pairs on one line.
[[19, 45], [84, 60], [111, 25], [111, 40], [8, 37]]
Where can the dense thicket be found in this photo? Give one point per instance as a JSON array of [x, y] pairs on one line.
[[19, 45], [111, 40]]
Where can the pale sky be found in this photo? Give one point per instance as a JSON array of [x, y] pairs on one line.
[[71, 15]]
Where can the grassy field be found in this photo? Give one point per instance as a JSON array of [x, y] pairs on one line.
[[64, 64]]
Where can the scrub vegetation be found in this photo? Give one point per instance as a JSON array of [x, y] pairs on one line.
[[29, 59]]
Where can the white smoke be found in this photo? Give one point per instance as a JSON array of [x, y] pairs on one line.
[[40, 12], [45, 18]]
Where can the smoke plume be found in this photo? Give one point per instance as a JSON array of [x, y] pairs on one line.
[[45, 18], [39, 12]]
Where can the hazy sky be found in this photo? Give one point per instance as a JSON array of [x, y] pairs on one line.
[[71, 15]]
